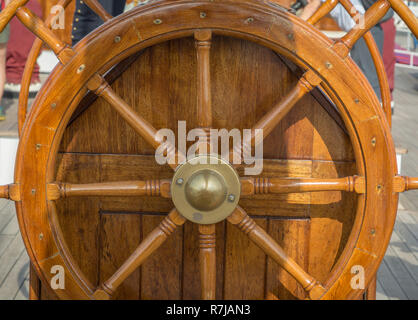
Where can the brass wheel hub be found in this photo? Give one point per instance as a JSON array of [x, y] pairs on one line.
[[205, 189]]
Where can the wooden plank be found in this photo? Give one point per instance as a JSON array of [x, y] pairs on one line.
[[12, 228], [293, 236], [23, 293], [6, 216], [401, 274], [79, 217], [412, 218], [16, 277], [410, 222], [332, 216], [380, 293], [389, 283], [404, 254], [4, 243], [161, 272], [3, 203], [245, 265], [119, 231], [407, 237], [10, 256]]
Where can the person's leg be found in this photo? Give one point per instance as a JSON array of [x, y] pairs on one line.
[[4, 37], [361, 55], [389, 58], [3, 47]]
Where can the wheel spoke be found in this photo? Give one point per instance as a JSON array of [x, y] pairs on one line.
[[99, 85], [161, 188], [372, 16], [251, 186], [98, 9], [37, 26], [207, 242], [406, 15], [270, 120], [401, 184], [262, 239], [322, 11], [4, 192], [151, 243], [11, 192], [204, 102], [9, 11]]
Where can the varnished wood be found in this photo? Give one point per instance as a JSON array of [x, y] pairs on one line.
[[401, 184], [378, 63], [11, 191], [28, 71], [4, 192], [204, 101], [139, 124], [123, 188], [371, 17], [98, 9], [37, 26], [330, 152], [207, 258], [325, 8], [267, 185], [9, 11], [272, 249], [34, 285], [406, 15], [269, 121], [151, 243]]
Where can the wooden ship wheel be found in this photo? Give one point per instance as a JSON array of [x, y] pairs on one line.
[[92, 200]]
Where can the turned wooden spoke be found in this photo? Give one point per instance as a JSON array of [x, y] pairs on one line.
[[30, 66], [260, 185], [204, 104], [11, 192], [270, 120], [406, 15], [37, 26], [325, 8], [99, 85], [7, 13], [118, 189], [372, 16], [207, 244], [4, 192], [262, 239], [377, 60], [151, 243], [401, 184], [98, 9]]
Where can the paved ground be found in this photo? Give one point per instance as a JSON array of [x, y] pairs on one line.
[[398, 274]]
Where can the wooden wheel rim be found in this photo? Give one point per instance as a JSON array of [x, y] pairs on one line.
[[269, 26]]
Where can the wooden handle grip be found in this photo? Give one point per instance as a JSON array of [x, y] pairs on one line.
[[262, 185], [4, 192], [372, 16], [323, 10], [401, 184], [406, 15], [7, 14]]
